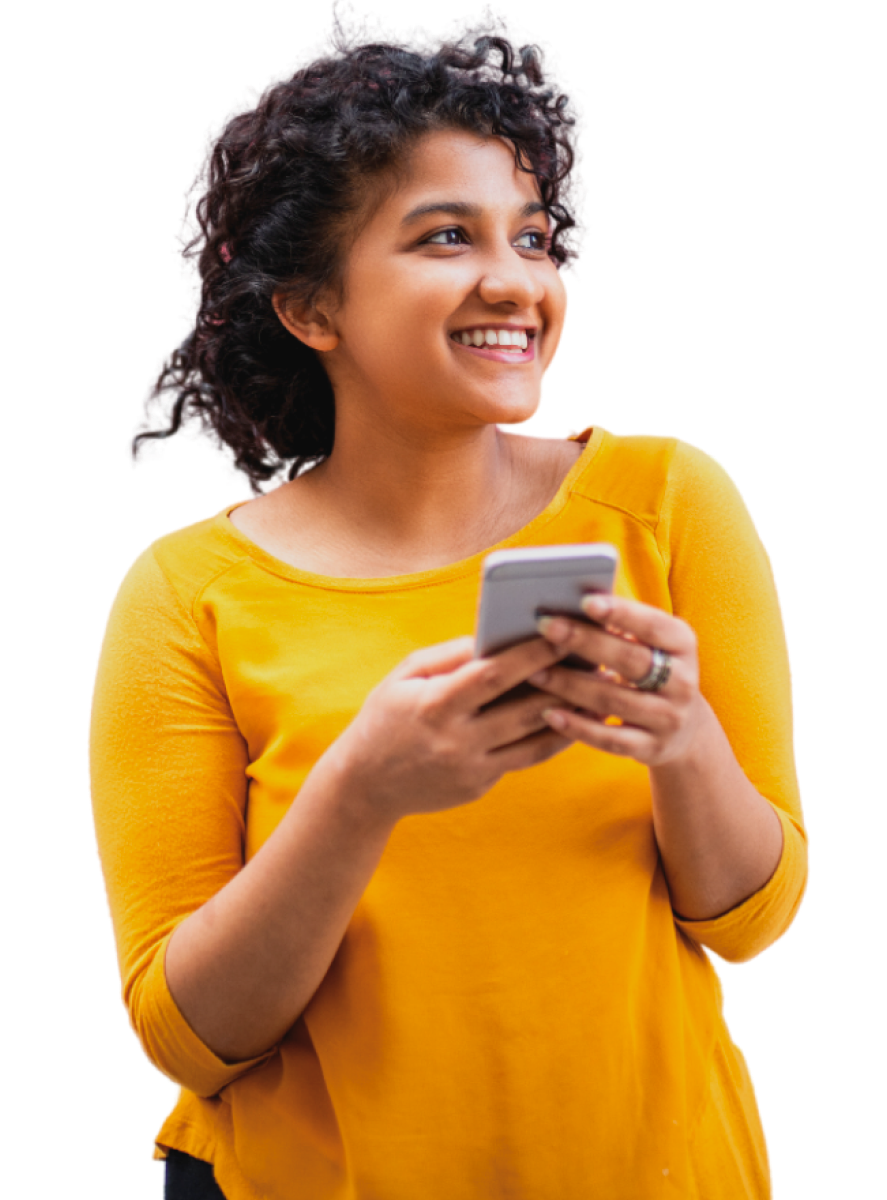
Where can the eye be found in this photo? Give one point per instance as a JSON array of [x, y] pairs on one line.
[[535, 233], [443, 233]]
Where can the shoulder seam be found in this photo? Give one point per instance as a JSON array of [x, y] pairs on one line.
[[189, 611], [653, 525]]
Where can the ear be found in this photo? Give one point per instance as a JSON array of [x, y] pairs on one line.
[[308, 322]]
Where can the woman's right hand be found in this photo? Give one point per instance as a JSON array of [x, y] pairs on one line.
[[424, 740]]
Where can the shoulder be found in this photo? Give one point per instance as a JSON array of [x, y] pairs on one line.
[[177, 567], [642, 475], [645, 462]]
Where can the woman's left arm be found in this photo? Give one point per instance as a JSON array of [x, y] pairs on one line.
[[719, 839]]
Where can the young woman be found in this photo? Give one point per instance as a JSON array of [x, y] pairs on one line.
[[391, 940]]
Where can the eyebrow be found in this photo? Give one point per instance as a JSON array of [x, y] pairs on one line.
[[456, 208]]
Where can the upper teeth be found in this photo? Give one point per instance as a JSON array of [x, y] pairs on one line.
[[516, 338]]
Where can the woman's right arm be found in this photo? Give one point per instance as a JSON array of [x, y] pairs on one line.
[[219, 959], [216, 958], [242, 967]]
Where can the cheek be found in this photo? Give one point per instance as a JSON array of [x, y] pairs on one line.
[[382, 340], [556, 310], [562, 299]]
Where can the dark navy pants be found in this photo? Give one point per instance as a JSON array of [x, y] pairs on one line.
[[188, 1178]]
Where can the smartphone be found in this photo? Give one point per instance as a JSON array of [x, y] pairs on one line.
[[519, 586]]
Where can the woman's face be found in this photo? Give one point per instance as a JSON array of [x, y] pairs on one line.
[[453, 260]]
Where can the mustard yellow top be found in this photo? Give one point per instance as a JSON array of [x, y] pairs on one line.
[[515, 1010]]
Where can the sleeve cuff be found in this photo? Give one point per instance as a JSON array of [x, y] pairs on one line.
[[173, 1046], [744, 931]]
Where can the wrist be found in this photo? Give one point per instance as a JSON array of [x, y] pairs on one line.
[[701, 742], [720, 840], [348, 793]]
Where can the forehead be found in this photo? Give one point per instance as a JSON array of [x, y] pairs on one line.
[[454, 165]]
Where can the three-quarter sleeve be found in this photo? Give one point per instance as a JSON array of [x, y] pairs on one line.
[[721, 583], [169, 786]]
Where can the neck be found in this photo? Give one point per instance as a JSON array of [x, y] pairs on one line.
[[415, 494]]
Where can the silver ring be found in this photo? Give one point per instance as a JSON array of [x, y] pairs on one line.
[[660, 670]]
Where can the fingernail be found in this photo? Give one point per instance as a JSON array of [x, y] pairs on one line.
[[555, 719], [596, 605], [553, 628], [538, 678]]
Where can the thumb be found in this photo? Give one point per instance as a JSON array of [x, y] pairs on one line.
[[436, 660]]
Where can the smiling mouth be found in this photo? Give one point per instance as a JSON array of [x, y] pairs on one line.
[[517, 340], [511, 355], [519, 354]]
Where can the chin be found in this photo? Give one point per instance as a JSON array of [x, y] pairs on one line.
[[513, 414]]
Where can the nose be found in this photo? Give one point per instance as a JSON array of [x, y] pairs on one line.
[[509, 279]]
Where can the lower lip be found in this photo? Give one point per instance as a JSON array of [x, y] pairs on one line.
[[497, 354]]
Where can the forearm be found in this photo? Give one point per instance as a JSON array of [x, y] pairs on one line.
[[720, 841], [243, 967]]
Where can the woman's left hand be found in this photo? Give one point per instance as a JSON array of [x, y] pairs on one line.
[[654, 726]]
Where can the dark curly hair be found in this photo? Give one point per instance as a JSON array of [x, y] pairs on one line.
[[286, 185]]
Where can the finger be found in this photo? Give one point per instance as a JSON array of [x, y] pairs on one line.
[[630, 659], [650, 625], [530, 751], [627, 741], [597, 693], [485, 679], [501, 725]]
